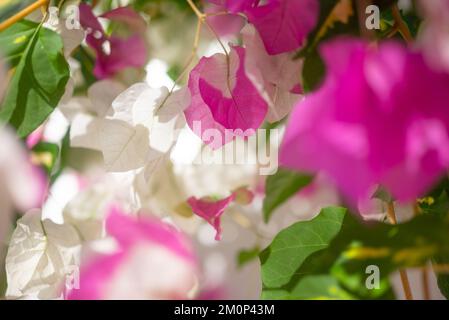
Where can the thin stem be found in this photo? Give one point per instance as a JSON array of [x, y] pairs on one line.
[[22, 14], [400, 24], [195, 9], [217, 37], [391, 212], [201, 19], [189, 61], [406, 285]]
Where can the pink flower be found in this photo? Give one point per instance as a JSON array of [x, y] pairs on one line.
[[225, 25], [211, 210], [275, 76], [153, 261], [224, 102], [284, 24], [114, 53], [22, 185], [235, 5], [381, 117]]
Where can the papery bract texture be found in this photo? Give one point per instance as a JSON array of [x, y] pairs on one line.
[[86, 114], [275, 76], [284, 24], [224, 25], [41, 255], [235, 5], [152, 261], [224, 102], [381, 117], [143, 127]]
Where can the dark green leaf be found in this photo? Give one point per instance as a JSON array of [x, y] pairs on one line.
[[437, 203], [443, 278], [313, 71]]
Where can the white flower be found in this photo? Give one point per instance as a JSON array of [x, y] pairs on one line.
[[143, 127], [40, 255], [275, 76], [86, 114]]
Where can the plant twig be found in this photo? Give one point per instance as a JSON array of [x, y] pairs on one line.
[[400, 25], [22, 14], [195, 9], [440, 268], [404, 277]]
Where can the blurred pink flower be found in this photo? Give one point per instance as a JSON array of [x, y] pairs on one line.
[[35, 137], [224, 102], [153, 261], [381, 117], [224, 24], [235, 5], [434, 37], [284, 24], [22, 185], [114, 53]]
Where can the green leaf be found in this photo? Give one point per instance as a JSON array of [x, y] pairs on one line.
[[437, 203], [292, 246], [246, 256], [443, 279], [314, 287], [345, 252], [14, 40], [280, 187], [390, 247], [46, 154], [313, 71], [39, 79]]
